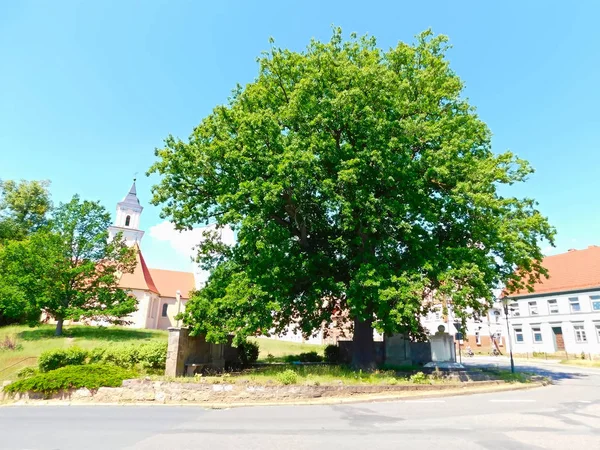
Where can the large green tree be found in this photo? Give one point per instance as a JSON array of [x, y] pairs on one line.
[[69, 270], [24, 206], [357, 180]]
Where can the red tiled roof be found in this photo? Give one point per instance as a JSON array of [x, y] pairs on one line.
[[169, 282], [571, 271], [141, 277]]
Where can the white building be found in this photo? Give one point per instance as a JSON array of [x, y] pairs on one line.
[[157, 290], [562, 314]]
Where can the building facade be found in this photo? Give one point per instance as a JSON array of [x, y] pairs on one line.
[[562, 314]]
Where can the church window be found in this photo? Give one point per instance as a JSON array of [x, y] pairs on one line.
[[127, 220], [164, 309]]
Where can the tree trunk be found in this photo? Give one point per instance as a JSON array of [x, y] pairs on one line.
[[59, 327], [363, 347]]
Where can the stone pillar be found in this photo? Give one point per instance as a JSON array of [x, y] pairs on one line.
[[397, 350], [177, 351]]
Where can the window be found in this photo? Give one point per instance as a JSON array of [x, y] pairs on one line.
[[533, 309], [537, 334], [595, 302], [598, 331], [127, 220], [553, 306], [579, 333], [498, 337], [519, 334], [165, 307], [514, 307], [477, 338], [497, 315], [574, 304]]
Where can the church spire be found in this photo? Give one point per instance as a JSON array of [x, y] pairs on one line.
[[131, 197], [127, 220]]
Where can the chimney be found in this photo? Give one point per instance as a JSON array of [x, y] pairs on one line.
[[571, 250]]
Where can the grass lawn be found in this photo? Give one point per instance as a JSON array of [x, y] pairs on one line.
[[314, 375], [283, 348], [580, 362], [33, 341]]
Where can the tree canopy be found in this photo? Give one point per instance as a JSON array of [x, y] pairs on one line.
[[357, 180], [24, 207], [69, 270]]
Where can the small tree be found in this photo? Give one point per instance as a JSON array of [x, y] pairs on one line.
[[358, 180], [69, 271]]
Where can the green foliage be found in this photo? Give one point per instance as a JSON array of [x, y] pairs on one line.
[[304, 357], [248, 353], [90, 376], [54, 359], [23, 208], [27, 372], [151, 355], [332, 354], [358, 180], [419, 378], [69, 270], [287, 377]]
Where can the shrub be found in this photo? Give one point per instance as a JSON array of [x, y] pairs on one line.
[[27, 372], [305, 357], [10, 343], [91, 376], [126, 356], [287, 377], [419, 378], [54, 359], [96, 355], [332, 354], [153, 355], [248, 353]]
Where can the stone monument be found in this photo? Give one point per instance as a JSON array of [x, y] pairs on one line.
[[443, 352]]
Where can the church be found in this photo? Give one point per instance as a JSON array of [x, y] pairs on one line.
[[161, 294]]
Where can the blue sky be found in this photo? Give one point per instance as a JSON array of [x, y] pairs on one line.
[[89, 89]]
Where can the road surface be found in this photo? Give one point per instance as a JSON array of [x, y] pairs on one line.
[[563, 416]]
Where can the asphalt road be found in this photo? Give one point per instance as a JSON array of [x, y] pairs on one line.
[[563, 416]]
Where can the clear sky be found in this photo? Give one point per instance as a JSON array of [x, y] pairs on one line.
[[89, 89]]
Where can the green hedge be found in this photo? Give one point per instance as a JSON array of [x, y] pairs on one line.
[[91, 376], [55, 359], [151, 355]]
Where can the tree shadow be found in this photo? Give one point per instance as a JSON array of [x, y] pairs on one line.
[[555, 374], [108, 334]]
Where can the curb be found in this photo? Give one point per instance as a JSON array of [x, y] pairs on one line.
[[358, 398]]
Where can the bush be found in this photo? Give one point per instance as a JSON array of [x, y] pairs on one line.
[[419, 378], [304, 357], [287, 377], [153, 355], [126, 356], [91, 376], [332, 354], [54, 359], [248, 353], [10, 343], [27, 372]]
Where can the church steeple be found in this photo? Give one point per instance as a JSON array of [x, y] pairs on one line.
[[127, 220]]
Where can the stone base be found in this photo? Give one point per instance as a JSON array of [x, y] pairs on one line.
[[446, 365]]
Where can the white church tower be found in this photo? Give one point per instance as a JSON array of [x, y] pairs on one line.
[[128, 218]]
